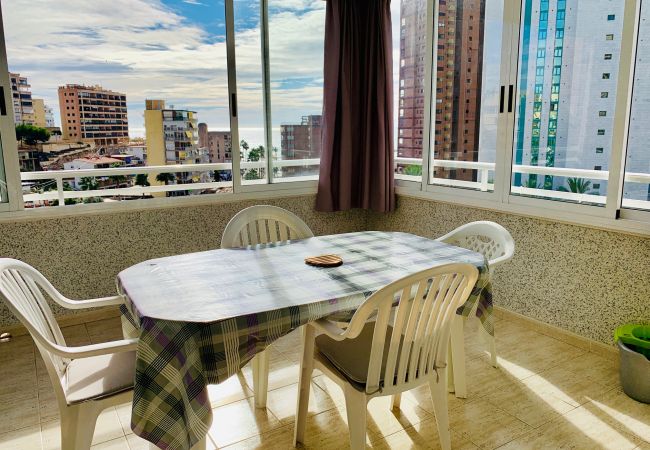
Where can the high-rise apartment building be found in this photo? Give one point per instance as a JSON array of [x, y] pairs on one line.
[[568, 82], [21, 94], [93, 113], [172, 138], [456, 105], [218, 143], [301, 141]]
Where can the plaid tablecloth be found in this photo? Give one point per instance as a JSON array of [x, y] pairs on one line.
[[203, 316]]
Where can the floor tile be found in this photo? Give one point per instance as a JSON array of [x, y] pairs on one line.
[[603, 370], [486, 425], [282, 402], [528, 405], [76, 335], [578, 429], [423, 435], [105, 330], [565, 385], [240, 420], [282, 371], [108, 428], [22, 439], [114, 444], [17, 413], [231, 390], [628, 415]]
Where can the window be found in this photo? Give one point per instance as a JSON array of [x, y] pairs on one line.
[[296, 87], [611, 17], [163, 96], [551, 157], [604, 94], [636, 185], [608, 56], [609, 37], [471, 130]]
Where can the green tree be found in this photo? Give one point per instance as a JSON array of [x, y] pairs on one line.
[[88, 184], [532, 184], [68, 201], [413, 170], [142, 179], [165, 178], [31, 135], [577, 186]]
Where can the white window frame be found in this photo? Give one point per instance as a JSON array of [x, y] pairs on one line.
[[279, 187], [612, 216]]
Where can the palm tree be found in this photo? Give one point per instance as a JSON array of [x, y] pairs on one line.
[[142, 179], [532, 183], [577, 186], [165, 177]]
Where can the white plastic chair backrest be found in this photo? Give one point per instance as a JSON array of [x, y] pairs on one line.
[[23, 287], [488, 238], [262, 224], [428, 301]]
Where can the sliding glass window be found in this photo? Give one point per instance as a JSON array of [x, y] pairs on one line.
[[466, 93], [636, 187], [569, 54]]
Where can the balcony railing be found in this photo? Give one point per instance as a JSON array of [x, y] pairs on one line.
[[59, 178], [484, 179]]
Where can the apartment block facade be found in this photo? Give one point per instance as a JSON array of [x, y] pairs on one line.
[[94, 113], [21, 94], [43, 115], [567, 88], [301, 141], [456, 102], [172, 138], [218, 143]]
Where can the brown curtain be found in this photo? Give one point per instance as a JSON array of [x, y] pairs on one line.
[[356, 163]]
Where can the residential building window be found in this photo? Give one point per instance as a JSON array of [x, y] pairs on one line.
[[602, 113]]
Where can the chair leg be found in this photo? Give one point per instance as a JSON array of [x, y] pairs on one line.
[[78, 426], [458, 356], [304, 384], [395, 401], [260, 365], [491, 345], [439, 399], [356, 408]]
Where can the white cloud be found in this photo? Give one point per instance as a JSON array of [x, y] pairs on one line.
[[147, 50]]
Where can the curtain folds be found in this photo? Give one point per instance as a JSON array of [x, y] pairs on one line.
[[356, 168]]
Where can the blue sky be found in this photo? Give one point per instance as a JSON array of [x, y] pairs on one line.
[[172, 50]]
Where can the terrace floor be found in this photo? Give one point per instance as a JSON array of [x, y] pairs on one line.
[[545, 394]]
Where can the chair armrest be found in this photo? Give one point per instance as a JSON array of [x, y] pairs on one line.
[[85, 351], [92, 303], [330, 329]]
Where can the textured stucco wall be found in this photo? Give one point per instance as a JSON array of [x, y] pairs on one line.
[[583, 280], [82, 255]]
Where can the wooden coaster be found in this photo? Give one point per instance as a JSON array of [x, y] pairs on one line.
[[324, 261]]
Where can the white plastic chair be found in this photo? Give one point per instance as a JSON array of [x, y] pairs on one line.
[[496, 244], [262, 224], [371, 358], [86, 379]]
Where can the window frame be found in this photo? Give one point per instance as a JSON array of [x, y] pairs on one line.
[[611, 216]]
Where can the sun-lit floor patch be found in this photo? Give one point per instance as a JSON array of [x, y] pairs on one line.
[[545, 394]]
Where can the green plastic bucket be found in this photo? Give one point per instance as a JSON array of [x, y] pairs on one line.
[[634, 351]]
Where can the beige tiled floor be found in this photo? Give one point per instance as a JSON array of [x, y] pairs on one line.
[[546, 394]]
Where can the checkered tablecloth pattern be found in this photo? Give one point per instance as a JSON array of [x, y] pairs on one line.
[[203, 316]]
